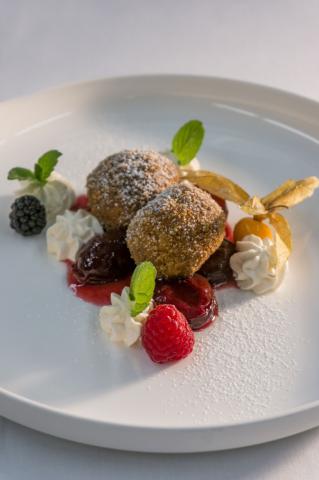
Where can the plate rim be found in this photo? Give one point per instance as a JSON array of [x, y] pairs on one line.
[[157, 76]]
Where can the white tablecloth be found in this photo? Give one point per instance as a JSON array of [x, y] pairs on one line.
[[45, 43]]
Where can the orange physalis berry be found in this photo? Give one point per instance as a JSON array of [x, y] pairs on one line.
[[249, 226]]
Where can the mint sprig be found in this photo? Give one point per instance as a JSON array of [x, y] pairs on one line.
[[42, 169], [142, 287], [20, 173], [187, 141]]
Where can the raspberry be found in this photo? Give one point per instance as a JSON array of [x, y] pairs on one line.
[[166, 335]]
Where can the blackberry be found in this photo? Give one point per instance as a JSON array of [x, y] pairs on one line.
[[27, 216]]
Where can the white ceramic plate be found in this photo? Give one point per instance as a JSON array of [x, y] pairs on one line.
[[253, 376]]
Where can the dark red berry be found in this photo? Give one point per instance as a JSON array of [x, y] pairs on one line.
[[229, 234], [194, 297], [104, 258], [81, 201], [217, 269]]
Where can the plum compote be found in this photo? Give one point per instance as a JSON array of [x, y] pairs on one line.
[[104, 258], [193, 296]]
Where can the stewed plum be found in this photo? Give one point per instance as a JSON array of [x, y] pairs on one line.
[[193, 296], [217, 269], [104, 258]]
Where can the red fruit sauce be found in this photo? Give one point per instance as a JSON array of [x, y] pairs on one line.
[[96, 294], [197, 302], [199, 305], [194, 297], [81, 201], [230, 284], [229, 235]]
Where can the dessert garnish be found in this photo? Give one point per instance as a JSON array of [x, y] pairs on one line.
[[229, 235], [104, 258], [253, 265], [27, 216], [124, 182], [53, 190], [97, 294], [193, 296], [82, 202], [217, 268], [166, 335], [262, 209], [249, 226], [142, 287], [123, 319], [177, 231], [186, 144], [70, 231], [117, 321], [157, 212], [42, 169], [187, 141]]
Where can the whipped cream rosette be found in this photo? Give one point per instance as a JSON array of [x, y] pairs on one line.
[[70, 231], [253, 265], [122, 321], [117, 321]]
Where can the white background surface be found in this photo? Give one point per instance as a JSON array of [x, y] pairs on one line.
[[46, 43]]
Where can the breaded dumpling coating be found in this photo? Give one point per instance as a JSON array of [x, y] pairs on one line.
[[124, 182], [177, 231]]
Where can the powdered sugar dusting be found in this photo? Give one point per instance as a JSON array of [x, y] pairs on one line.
[[124, 182], [242, 367], [178, 230]]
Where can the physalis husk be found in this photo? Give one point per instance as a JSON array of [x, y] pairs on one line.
[[287, 195]]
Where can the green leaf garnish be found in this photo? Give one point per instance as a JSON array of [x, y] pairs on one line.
[[42, 169], [45, 165], [187, 141], [142, 287], [19, 173]]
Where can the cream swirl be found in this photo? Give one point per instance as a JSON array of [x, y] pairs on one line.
[[117, 322], [70, 231], [57, 194], [253, 265], [192, 165]]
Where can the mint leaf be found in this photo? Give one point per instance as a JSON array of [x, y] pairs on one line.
[[19, 173], [42, 169], [38, 172], [142, 287], [187, 141], [45, 165]]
